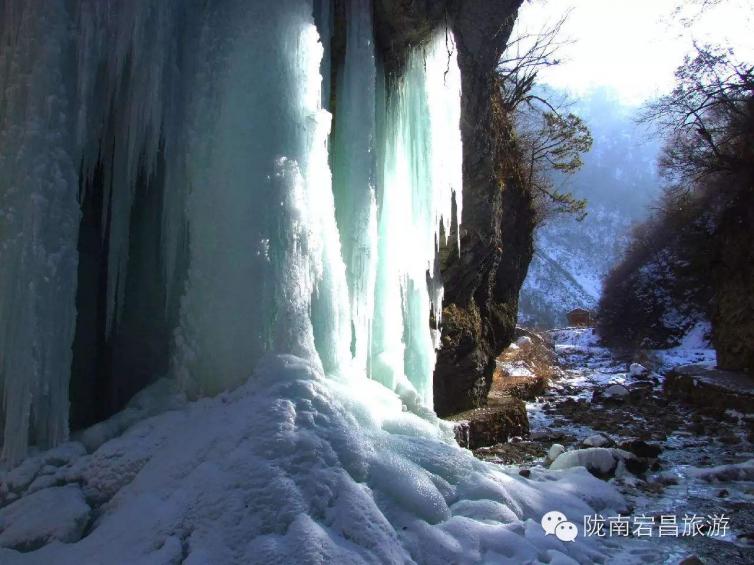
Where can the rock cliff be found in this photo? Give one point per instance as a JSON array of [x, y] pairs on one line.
[[482, 284]]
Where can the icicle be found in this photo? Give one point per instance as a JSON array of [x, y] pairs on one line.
[[422, 172], [323, 18], [354, 173], [277, 257], [127, 84]]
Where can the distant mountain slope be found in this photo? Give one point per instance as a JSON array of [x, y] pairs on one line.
[[619, 180], [570, 260]]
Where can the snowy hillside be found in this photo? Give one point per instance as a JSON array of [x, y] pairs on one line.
[[570, 260]]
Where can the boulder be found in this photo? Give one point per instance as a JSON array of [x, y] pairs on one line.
[[641, 448], [598, 440], [497, 422], [524, 342], [710, 388], [611, 393], [601, 462], [462, 432], [637, 370]]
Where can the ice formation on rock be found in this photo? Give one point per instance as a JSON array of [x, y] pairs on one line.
[[306, 293], [262, 251]]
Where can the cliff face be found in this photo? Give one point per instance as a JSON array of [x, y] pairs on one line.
[[482, 284], [400, 24]]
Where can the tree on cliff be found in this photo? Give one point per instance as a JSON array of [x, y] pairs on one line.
[[551, 138], [552, 143]]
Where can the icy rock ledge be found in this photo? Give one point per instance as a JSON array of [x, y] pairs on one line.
[[294, 467]]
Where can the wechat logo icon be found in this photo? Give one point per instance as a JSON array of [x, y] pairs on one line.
[[555, 523]]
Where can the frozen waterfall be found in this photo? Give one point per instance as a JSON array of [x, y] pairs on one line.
[[155, 171], [219, 275]]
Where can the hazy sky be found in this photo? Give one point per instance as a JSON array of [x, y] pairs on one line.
[[634, 46]]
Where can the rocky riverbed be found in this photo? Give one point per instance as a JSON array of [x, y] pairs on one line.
[[672, 459]]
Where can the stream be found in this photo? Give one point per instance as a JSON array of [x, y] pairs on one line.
[[696, 498]]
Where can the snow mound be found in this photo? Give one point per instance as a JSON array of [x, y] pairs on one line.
[[555, 451], [294, 467], [598, 440], [58, 513], [580, 337]]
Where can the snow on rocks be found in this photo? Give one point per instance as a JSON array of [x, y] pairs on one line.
[[515, 369], [600, 461], [612, 393], [20, 477], [598, 440], [555, 451], [51, 514], [158, 397], [38, 471], [636, 370], [616, 392]]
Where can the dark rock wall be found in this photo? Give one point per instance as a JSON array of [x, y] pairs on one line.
[[482, 284], [401, 24]]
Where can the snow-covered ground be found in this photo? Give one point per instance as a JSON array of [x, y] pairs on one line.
[[297, 468], [289, 468]]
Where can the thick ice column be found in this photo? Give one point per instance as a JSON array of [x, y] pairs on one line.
[[264, 250], [354, 173], [38, 224], [421, 174]]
